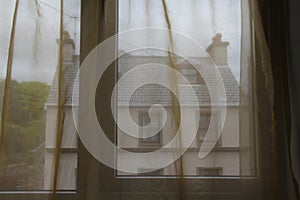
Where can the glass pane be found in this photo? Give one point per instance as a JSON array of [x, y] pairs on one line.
[[219, 35], [27, 159]]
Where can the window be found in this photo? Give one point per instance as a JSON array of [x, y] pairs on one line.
[[27, 162], [209, 171], [204, 122], [132, 15], [144, 120], [191, 74], [96, 179], [151, 173]]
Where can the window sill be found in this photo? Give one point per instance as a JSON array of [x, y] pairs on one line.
[[41, 195], [191, 149]]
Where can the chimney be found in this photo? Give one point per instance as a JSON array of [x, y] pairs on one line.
[[68, 47], [218, 50]]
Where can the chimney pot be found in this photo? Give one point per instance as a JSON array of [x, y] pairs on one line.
[[218, 50], [68, 46]]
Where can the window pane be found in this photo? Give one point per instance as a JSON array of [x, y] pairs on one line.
[[27, 160], [222, 51]]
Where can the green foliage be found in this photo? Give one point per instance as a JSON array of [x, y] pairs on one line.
[[25, 127], [30, 100], [33, 134]]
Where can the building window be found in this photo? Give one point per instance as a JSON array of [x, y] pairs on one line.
[[191, 74], [144, 120], [205, 119], [209, 171], [149, 172]]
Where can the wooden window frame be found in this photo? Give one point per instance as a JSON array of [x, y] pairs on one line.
[[90, 171], [107, 184]]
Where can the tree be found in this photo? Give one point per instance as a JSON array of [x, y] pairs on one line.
[[30, 100], [12, 103], [25, 126]]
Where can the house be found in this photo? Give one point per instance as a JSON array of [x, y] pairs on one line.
[[68, 156], [222, 161], [224, 158]]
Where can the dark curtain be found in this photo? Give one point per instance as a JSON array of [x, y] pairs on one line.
[[280, 19]]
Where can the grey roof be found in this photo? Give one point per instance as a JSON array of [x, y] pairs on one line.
[[153, 94], [70, 70]]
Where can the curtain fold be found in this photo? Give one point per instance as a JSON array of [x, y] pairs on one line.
[[7, 83]]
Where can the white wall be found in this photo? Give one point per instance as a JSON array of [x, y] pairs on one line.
[[229, 135], [225, 155], [68, 155]]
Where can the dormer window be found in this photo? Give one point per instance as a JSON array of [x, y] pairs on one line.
[[191, 74]]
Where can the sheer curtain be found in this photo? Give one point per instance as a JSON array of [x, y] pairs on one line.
[[40, 46], [39, 65]]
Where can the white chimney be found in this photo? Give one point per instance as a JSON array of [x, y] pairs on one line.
[[68, 47], [218, 50]]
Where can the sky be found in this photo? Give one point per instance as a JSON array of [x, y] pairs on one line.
[[199, 19], [36, 50]]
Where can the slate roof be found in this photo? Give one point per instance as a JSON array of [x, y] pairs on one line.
[[70, 70], [154, 94]]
